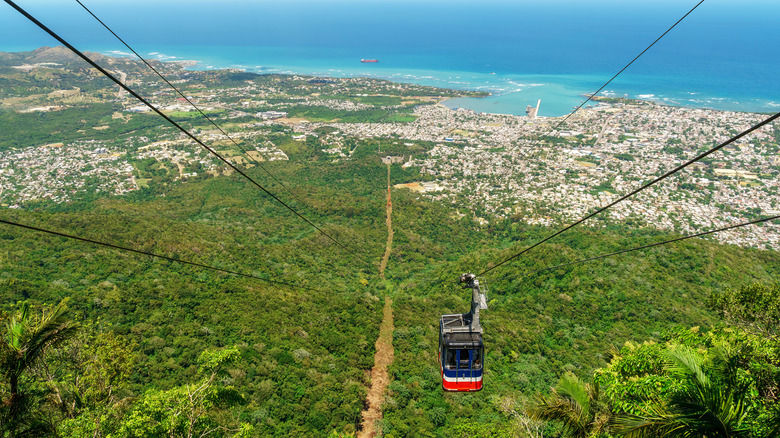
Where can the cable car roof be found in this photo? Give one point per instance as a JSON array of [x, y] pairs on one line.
[[463, 340]]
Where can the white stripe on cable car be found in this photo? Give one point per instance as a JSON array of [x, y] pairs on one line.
[[462, 379]]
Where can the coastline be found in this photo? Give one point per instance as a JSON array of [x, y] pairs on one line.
[[486, 52], [501, 93]]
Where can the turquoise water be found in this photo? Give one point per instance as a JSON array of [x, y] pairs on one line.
[[520, 51]]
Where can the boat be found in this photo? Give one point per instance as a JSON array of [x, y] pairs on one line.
[[369, 60]]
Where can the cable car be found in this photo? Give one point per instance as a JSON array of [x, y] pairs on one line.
[[461, 351]]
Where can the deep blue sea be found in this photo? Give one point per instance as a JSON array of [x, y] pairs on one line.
[[723, 56]]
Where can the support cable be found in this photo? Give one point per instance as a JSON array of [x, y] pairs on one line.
[[172, 122], [603, 256], [159, 256], [590, 96], [190, 102], [660, 178]]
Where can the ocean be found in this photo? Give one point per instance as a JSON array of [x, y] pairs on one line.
[[721, 56]]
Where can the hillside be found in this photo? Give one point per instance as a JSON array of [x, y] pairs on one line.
[[305, 348], [305, 353]]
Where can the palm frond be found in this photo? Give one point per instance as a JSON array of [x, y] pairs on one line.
[[571, 386], [652, 424], [683, 360], [705, 406], [50, 330], [559, 409], [17, 326]]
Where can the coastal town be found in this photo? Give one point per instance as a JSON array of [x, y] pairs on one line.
[[547, 175], [538, 170]]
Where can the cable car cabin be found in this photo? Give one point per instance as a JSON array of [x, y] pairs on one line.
[[461, 354]]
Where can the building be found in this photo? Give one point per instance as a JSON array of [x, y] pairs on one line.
[[266, 115]]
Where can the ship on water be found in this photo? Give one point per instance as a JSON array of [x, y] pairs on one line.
[[369, 60]]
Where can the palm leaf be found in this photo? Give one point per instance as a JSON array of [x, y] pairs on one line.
[[571, 386], [685, 361], [572, 404], [705, 406], [27, 339], [51, 330]]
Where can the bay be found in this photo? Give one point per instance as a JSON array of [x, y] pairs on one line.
[[719, 57]]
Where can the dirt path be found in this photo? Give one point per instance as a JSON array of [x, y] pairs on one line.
[[379, 377], [384, 344], [389, 221]]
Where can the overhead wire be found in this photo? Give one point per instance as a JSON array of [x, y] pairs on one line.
[[590, 96], [183, 96], [175, 124], [772, 118], [150, 254], [643, 187], [639, 248], [176, 89]]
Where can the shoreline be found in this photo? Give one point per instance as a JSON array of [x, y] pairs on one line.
[[507, 94]]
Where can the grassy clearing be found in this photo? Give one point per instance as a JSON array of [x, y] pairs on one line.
[[401, 118]]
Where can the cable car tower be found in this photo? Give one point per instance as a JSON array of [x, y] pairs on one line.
[[461, 352]]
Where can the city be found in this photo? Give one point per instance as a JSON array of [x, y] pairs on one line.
[[529, 168]]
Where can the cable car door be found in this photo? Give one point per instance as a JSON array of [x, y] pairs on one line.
[[465, 370]]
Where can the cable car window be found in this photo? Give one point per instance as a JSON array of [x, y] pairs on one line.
[[450, 362], [463, 361], [477, 359]]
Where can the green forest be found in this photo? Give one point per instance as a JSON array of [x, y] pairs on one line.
[[135, 336], [676, 340]]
